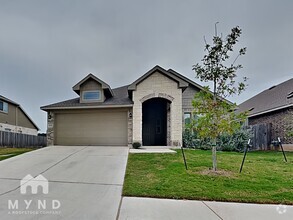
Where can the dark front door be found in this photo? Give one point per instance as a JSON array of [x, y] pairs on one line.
[[154, 122]]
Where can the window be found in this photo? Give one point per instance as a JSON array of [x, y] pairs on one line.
[[187, 118], [91, 95], [3, 107]]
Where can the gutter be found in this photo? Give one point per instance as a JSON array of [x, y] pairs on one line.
[[270, 110]]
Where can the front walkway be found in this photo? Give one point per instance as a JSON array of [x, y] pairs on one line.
[[162, 209], [153, 149]]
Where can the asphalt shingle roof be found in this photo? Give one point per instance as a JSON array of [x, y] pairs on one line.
[[120, 98], [270, 99], [120, 95]]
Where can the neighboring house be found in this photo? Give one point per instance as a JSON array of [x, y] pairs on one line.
[[274, 106], [14, 119], [152, 110]]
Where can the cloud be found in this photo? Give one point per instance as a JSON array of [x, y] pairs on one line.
[[46, 47]]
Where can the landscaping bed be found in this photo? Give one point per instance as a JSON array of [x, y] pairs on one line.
[[265, 177]]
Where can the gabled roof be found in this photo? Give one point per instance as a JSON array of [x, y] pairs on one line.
[[272, 99], [185, 79], [181, 83], [120, 99], [19, 106], [105, 86], [193, 83]]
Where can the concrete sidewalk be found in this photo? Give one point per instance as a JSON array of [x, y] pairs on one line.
[[134, 208]]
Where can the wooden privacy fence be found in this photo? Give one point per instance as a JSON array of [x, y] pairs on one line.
[[261, 136], [9, 139]]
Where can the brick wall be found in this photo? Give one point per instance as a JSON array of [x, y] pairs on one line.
[[282, 124]]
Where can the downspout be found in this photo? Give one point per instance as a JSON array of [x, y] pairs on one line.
[[16, 124], [16, 116]]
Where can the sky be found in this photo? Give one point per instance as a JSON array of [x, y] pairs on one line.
[[47, 46]]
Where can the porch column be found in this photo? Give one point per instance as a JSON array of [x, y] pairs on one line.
[[137, 121]]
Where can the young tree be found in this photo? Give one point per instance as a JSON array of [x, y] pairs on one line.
[[217, 115]]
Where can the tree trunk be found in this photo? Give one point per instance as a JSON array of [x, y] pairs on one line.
[[214, 148], [214, 154]]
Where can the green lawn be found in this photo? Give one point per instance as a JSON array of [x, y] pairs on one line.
[[11, 152], [265, 177]]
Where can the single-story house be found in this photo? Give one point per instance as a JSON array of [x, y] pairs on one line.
[[273, 106], [152, 110], [14, 119]]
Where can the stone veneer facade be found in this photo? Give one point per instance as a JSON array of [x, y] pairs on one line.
[[158, 85], [130, 126], [50, 128]]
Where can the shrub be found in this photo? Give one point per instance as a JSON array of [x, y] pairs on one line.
[[225, 142], [235, 142], [187, 137], [191, 140], [240, 139], [136, 145]]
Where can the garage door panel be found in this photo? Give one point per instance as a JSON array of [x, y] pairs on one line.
[[90, 141], [95, 128]]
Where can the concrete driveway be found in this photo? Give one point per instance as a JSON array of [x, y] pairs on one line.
[[84, 183]]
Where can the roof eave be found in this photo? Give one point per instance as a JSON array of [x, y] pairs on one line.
[[9, 101], [194, 83], [76, 87], [29, 118], [85, 107], [19, 106], [270, 110]]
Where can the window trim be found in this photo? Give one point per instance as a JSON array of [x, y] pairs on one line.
[[4, 110], [91, 100], [190, 118], [193, 117]]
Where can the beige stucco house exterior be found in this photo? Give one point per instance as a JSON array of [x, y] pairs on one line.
[[152, 110], [14, 119]]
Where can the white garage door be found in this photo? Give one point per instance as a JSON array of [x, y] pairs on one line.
[[98, 127]]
